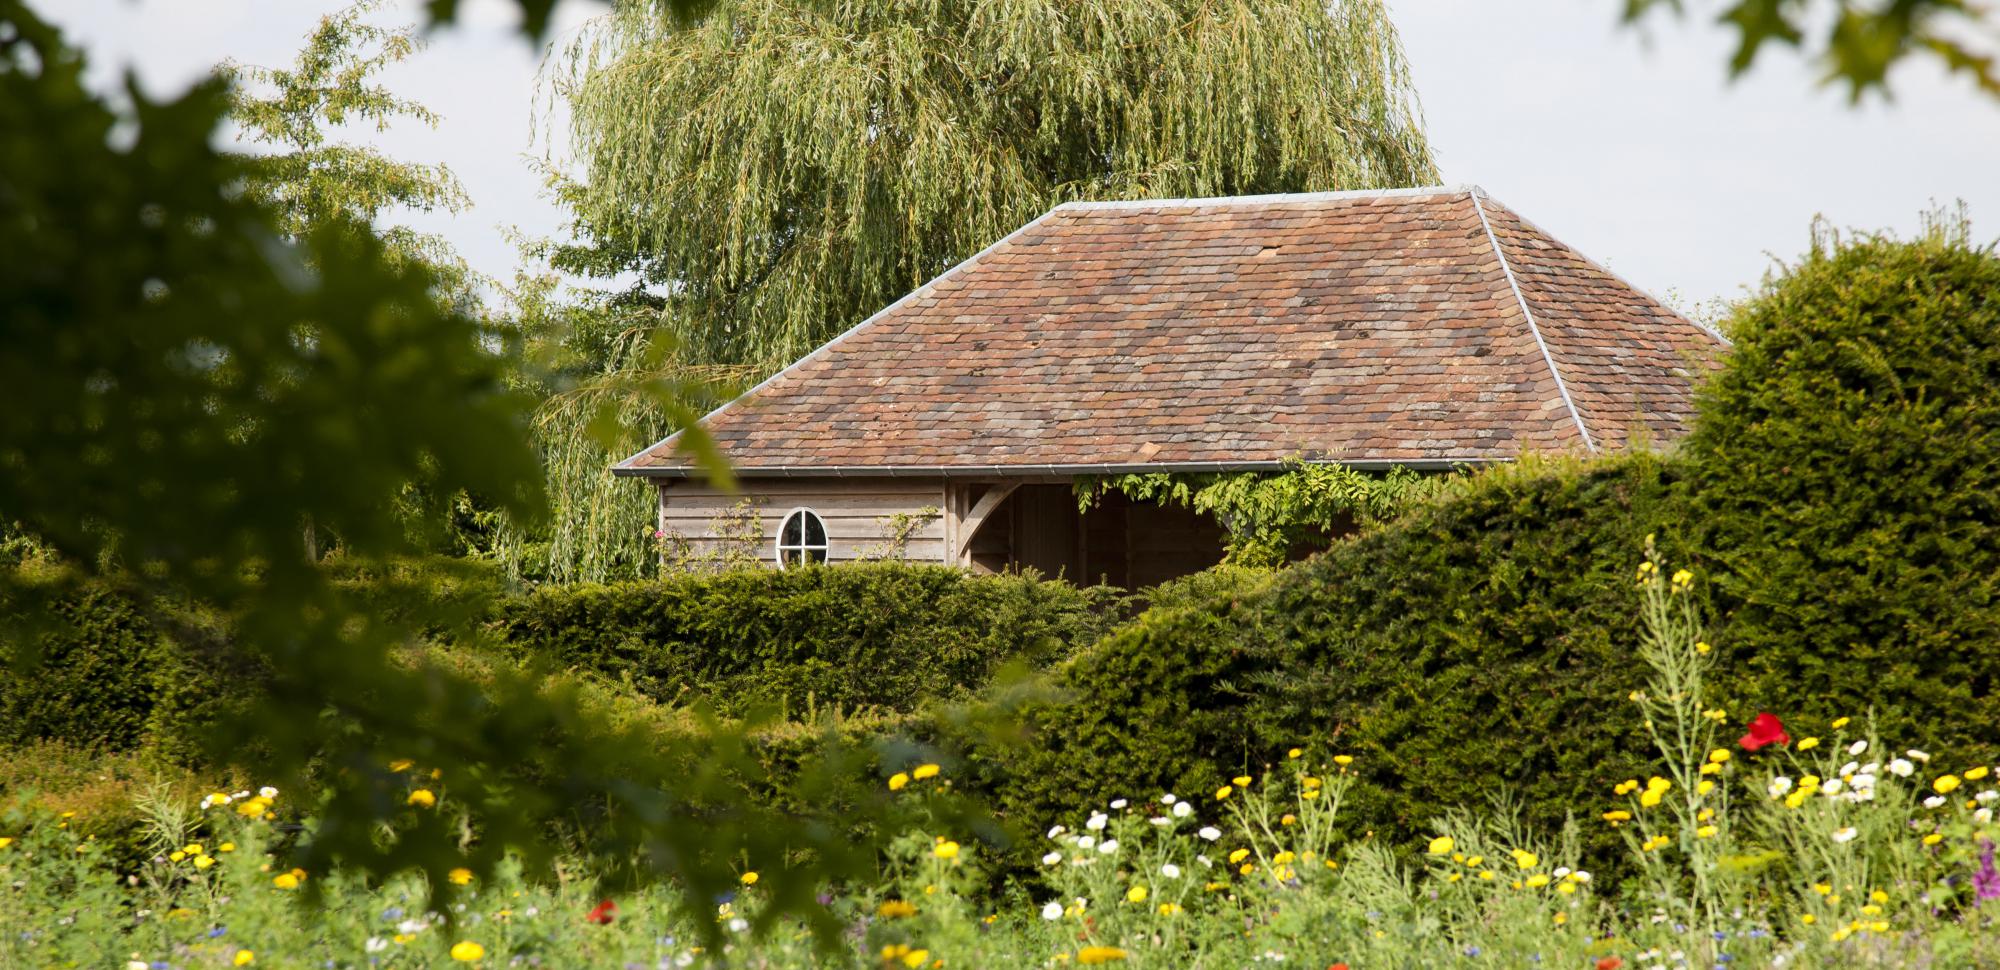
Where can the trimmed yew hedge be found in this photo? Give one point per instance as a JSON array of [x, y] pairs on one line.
[[886, 636]]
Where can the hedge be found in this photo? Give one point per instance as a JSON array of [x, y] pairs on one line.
[[885, 636], [1479, 643]]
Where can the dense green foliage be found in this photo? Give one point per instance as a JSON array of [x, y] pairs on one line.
[[1849, 465], [1480, 637], [866, 635], [192, 395]]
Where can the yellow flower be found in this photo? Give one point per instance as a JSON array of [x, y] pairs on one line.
[[916, 958], [1170, 909], [1712, 768], [922, 772], [1617, 815], [1808, 744], [1486, 874], [1704, 787], [1442, 845], [176, 855], [1878, 896], [945, 850], [1719, 755], [748, 878], [466, 951], [459, 877], [1223, 792], [244, 958], [1702, 647], [401, 765], [1100, 954], [1241, 781], [5, 842], [1288, 819], [895, 909], [1974, 774], [1343, 760], [1309, 781], [1808, 919], [1822, 888], [1136, 894], [203, 862], [1626, 787], [1682, 577], [1651, 796], [1283, 858], [1933, 839], [898, 780], [1526, 860], [1295, 753], [1945, 784], [1839, 722], [1566, 888], [285, 880], [1309, 794], [1247, 868], [1561, 918], [1238, 856], [1879, 926], [1795, 799], [422, 798], [1705, 832], [1538, 880], [226, 847]]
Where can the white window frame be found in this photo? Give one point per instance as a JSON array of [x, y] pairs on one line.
[[804, 547]]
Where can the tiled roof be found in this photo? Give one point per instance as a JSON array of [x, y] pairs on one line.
[[1428, 326]]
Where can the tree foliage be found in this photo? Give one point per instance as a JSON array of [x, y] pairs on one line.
[[188, 386], [1857, 42], [307, 179]]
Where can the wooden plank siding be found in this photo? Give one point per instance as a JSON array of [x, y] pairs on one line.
[[859, 516]]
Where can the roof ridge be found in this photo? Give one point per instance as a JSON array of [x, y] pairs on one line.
[[1513, 284], [822, 349], [1592, 262], [1270, 198]]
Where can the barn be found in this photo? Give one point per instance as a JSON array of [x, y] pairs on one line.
[[1428, 329]]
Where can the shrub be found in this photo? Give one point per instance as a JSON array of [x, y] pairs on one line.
[[883, 635], [1849, 486], [1480, 641]]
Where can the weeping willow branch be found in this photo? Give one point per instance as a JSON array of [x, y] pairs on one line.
[[786, 167]]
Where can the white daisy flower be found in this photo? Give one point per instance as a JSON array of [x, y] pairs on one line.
[[1108, 846], [1916, 755], [1901, 768], [1857, 747], [1057, 831], [1052, 858], [1118, 803], [1845, 834], [1935, 801], [1210, 833], [1052, 910], [1170, 871], [1097, 821], [1183, 809]]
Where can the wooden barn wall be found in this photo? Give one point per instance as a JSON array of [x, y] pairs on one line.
[[859, 516]]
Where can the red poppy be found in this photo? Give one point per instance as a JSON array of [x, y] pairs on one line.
[[1765, 729], [1337, 966], [1613, 963], [603, 914]]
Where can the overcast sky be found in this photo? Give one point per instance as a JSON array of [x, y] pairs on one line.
[[1629, 145]]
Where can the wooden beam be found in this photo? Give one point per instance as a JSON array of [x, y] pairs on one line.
[[968, 525]]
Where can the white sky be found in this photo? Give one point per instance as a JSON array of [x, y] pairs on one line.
[[1629, 145]]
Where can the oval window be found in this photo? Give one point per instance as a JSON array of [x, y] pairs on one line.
[[802, 538]]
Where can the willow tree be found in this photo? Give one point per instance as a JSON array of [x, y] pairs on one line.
[[782, 168]]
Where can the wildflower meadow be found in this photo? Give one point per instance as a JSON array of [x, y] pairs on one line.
[[1755, 842]]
